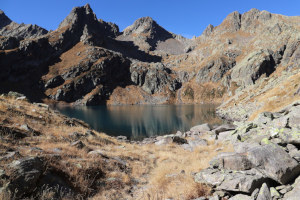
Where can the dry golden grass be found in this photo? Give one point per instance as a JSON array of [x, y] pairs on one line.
[[157, 172], [167, 171], [279, 97]]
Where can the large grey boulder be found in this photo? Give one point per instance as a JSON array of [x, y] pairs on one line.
[[24, 175], [235, 181], [203, 128], [231, 161], [264, 193], [224, 128], [241, 197], [274, 162]]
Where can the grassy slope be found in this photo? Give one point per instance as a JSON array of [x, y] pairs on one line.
[[151, 171]]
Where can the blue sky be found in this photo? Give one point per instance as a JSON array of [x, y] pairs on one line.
[[185, 17]]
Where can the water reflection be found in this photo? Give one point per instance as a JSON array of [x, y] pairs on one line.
[[139, 121]]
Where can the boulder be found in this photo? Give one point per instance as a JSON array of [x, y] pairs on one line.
[[225, 136], [235, 181], [274, 162], [203, 128], [164, 141], [197, 142], [24, 174], [78, 144], [179, 140], [223, 128], [274, 193], [264, 193], [231, 161], [241, 197], [242, 147]]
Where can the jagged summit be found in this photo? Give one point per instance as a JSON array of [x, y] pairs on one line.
[[249, 21], [208, 30], [147, 27], [146, 33], [4, 20], [81, 18], [79, 15]]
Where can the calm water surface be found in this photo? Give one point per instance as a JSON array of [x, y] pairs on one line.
[[139, 121]]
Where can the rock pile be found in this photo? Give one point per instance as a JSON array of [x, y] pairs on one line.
[[265, 164]]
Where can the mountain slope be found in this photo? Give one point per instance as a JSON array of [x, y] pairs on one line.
[[88, 61]]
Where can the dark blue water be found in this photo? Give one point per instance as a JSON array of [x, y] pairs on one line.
[[140, 121]]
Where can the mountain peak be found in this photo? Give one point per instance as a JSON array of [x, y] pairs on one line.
[[79, 15], [209, 29], [142, 25], [4, 20]]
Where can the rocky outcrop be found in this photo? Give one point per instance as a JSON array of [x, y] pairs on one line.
[[153, 78], [217, 69], [257, 64], [88, 76], [244, 54], [263, 157], [147, 31]]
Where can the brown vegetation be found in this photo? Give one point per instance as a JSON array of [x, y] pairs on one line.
[[121, 170]]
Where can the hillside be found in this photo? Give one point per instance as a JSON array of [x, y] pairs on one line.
[[245, 60]]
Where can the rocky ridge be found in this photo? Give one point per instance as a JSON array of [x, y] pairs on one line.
[[247, 53]]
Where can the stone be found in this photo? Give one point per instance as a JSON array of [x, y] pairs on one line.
[[224, 128], [179, 134], [234, 181], [254, 194], [197, 142], [242, 147], [241, 197], [78, 144], [90, 133], [274, 193], [15, 94], [201, 128], [164, 141], [286, 189], [225, 136], [264, 193], [24, 174], [179, 140], [214, 197], [275, 162], [75, 135], [231, 161], [10, 155], [97, 153], [121, 138]]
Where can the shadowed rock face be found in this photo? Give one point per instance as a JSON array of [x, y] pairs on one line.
[[4, 20], [9, 28], [86, 59]]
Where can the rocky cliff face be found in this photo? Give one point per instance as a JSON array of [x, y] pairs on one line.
[[249, 62]]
